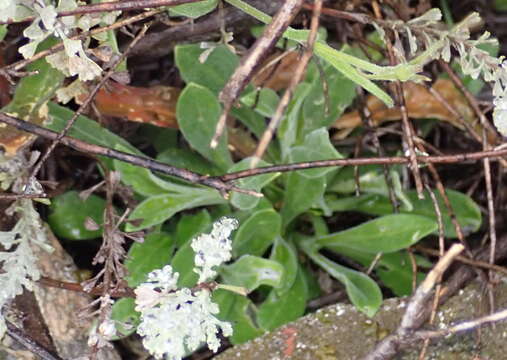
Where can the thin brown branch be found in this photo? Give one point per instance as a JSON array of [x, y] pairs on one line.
[[160, 43], [436, 298], [112, 6], [253, 59], [408, 130], [141, 161], [344, 15], [486, 163], [77, 287], [221, 183], [287, 95], [12, 196]]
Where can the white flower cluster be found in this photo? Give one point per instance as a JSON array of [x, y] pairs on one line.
[[213, 249], [74, 60], [175, 322]]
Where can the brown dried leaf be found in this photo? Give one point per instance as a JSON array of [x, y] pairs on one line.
[[421, 104]]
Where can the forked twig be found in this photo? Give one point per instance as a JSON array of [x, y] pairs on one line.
[[388, 347], [253, 59], [287, 95], [223, 182]]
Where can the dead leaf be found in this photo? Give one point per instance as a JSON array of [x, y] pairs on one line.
[[421, 104], [154, 105]]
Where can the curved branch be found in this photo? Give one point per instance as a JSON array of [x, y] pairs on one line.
[[223, 182]]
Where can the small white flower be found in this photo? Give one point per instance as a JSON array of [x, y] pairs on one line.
[[213, 249]]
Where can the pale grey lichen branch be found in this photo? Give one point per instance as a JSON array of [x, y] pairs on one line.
[[18, 262], [438, 42], [74, 60]]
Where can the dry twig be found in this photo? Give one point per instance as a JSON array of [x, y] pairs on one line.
[[287, 95], [388, 347], [253, 59]]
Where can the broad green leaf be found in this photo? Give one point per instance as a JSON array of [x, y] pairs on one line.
[[191, 225], [336, 59], [124, 313], [385, 234], [500, 5], [316, 146], [35, 90], [213, 73], [185, 159], [288, 131], [256, 183], [198, 111], [340, 94], [393, 269], [371, 180], [143, 181], [3, 32], [257, 233], [312, 283], [252, 271], [194, 10], [252, 120], [466, 210], [239, 311], [284, 253], [69, 213], [300, 194], [153, 253], [87, 130], [319, 225], [263, 101], [363, 292], [183, 263], [159, 208], [281, 308], [160, 138]]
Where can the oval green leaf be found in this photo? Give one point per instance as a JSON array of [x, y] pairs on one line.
[[280, 308], [213, 73], [153, 253], [385, 234], [159, 208], [255, 183], [251, 271], [257, 233], [194, 10], [69, 213], [198, 111]]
